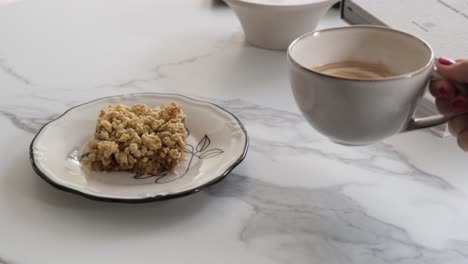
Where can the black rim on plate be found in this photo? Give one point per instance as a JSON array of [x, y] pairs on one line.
[[147, 199]]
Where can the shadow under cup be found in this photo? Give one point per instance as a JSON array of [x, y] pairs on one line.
[[355, 111]]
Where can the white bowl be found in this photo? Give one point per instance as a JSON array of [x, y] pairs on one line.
[[274, 24]]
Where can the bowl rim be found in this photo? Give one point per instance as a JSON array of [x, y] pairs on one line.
[[312, 3]]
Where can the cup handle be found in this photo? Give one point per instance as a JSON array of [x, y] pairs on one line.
[[427, 122], [435, 120]]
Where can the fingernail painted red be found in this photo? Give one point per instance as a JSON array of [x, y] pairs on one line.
[[443, 91], [459, 105], [445, 61]]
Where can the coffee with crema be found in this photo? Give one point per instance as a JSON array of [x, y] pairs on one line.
[[358, 70]]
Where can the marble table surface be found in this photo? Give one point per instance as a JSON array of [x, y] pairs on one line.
[[296, 198]]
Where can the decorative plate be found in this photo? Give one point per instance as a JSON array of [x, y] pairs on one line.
[[217, 142]]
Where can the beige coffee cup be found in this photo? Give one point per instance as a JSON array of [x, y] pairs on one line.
[[359, 110]]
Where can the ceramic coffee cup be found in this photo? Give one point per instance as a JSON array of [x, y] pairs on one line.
[[354, 109], [274, 24]]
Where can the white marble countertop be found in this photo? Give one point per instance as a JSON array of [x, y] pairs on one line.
[[296, 198]]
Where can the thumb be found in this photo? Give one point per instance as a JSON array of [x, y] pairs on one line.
[[453, 71]]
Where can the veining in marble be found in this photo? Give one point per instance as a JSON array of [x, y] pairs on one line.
[[159, 70], [8, 70], [324, 226], [28, 124]]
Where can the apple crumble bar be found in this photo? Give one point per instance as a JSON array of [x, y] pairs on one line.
[[138, 138]]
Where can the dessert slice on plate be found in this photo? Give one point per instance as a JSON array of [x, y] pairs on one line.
[[72, 154]]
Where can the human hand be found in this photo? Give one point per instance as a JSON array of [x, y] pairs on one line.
[[450, 100]]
